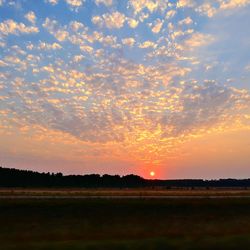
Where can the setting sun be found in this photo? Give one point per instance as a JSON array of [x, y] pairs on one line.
[[152, 173]]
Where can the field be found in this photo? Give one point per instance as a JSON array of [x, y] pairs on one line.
[[130, 192], [141, 223]]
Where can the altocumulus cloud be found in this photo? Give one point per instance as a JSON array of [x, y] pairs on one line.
[[128, 73]]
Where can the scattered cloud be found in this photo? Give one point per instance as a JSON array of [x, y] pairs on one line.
[[142, 77], [75, 3], [128, 41], [186, 21], [132, 23], [147, 44], [170, 14], [231, 4], [105, 2], [115, 20], [139, 5], [199, 39], [157, 26], [53, 2], [48, 46], [97, 20], [185, 3], [9, 26], [207, 9], [31, 17], [55, 30], [78, 58]]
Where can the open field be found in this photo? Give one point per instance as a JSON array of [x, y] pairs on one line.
[[125, 223], [120, 193]]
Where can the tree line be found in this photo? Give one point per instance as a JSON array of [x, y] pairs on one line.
[[10, 177]]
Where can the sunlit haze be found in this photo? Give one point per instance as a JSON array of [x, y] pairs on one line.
[[155, 88]]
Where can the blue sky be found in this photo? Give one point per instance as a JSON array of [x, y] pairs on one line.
[[125, 86]]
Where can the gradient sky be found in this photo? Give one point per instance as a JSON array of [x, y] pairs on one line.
[[126, 86]]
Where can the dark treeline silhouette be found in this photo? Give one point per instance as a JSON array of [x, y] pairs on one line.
[[10, 177]]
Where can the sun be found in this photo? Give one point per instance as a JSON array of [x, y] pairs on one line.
[[152, 173]]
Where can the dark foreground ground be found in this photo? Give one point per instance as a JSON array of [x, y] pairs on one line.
[[222, 223]]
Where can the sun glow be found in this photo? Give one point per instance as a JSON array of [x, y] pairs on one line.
[[152, 173]]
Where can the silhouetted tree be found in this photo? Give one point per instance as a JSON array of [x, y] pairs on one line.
[[10, 177]]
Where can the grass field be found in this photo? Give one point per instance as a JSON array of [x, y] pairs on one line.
[[123, 192], [125, 223]]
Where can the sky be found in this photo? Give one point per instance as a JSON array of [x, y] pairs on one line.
[[126, 87]]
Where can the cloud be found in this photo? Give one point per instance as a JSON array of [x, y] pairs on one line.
[[132, 23], [143, 16], [149, 5], [186, 21], [210, 9], [31, 17], [78, 34], [97, 20], [105, 2], [114, 20], [185, 3], [214, 106], [231, 4], [47, 46], [147, 44], [139, 5], [78, 58], [247, 68], [128, 41], [75, 3], [175, 111], [54, 29], [170, 14], [144, 92], [157, 26], [109, 40], [86, 48], [199, 39], [11, 27], [207, 9], [76, 26], [3, 64], [53, 2], [16, 62]]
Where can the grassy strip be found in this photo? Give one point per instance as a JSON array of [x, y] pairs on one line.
[[125, 224]]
